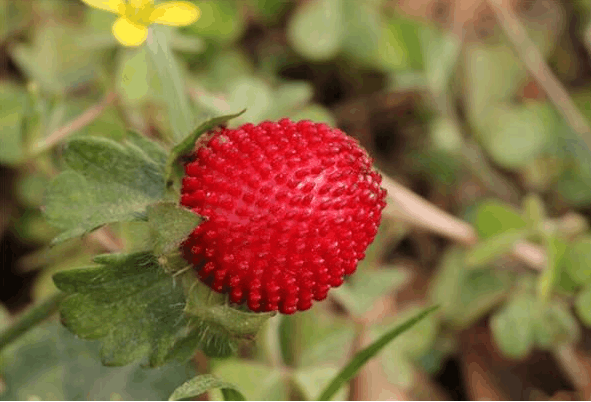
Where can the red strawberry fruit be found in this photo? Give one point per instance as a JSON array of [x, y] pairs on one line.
[[289, 209]]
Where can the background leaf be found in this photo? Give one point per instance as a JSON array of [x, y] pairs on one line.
[[313, 379], [256, 381], [493, 247], [577, 261], [180, 115], [71, 370], [494, 217], [317, 29], [12, 112], [513, 327], [367, 353], [203, 383], [360, 292], [583, 306]]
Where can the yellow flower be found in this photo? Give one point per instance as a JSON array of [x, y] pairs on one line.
[[131, 28]]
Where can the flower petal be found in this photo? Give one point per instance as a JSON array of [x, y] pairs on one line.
[[175, 13], [140, 4], [128, 33], [114, 6]]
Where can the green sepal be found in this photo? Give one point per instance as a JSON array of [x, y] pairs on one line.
[[188, 143], [170, 224], [210, 306]]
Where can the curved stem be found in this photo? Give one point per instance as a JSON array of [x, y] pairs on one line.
[[414, 210], [30, 319], [79, 122], [539, 69]]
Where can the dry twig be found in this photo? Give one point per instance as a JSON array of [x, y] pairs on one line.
[[537, 66], [79, 122]]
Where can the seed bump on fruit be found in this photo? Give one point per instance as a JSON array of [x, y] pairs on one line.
[[289, 209]]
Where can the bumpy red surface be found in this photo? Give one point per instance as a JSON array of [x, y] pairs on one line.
[[289, 209]]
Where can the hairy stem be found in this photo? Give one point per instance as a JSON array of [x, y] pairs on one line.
[[30, 319], [71, 127]]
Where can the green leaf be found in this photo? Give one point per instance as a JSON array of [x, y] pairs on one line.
[[575, 181], [187, 43], [251, 94], [269, 10], [152, 150], [203, 383], [180, 114], [515, 135], [186, 146], [362, 357], [533, 210], [577, 261], [13, 101], [513, 327], [446, 286], [408, 32], [128, 302], [493, 73], [227, 66], [313, 379], [393, 52], [400, 369], [494, 217], [289, 98], [12, 17], [257, 382], [466, 295], [48, 59], [363, 289], [583, 306], [133, 75], [315, 337], [494, 247], [317, 29], [440, 54], [316, 113], [210, 306], [413, 343], [362, 31], [50, 363], [555, 325], [220, 21], [107, 182], [171, 224], [480, 291], [138, 310], [446, 136], [556, 249]]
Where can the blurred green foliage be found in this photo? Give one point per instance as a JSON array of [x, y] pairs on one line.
[[302, 60]]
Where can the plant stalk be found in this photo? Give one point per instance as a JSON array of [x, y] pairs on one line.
[[30, 319]]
